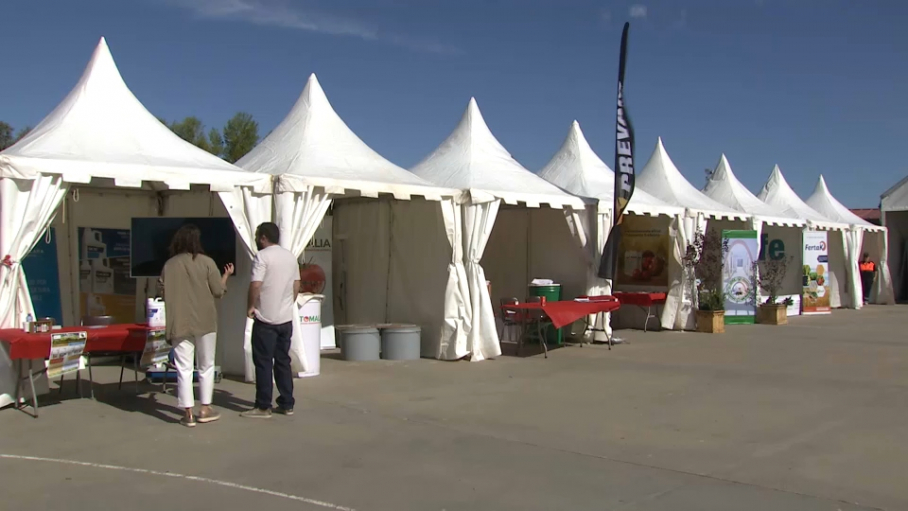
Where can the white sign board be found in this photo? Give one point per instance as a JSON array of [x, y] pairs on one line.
[[65, 353]]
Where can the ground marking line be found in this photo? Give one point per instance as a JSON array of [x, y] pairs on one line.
[[227, 484]]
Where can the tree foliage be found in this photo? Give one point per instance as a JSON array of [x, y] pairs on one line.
[[238, 137], [6, 135], [9, 136]]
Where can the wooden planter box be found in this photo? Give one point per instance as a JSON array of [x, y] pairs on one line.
[[776, 314], [711, 322]]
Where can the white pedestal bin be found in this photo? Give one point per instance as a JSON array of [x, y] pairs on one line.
[[310, 314]]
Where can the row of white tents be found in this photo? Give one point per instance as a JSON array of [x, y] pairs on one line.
[[413, 239], [894, 211]]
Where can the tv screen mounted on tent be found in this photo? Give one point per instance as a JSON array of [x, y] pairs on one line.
[[150, 242]]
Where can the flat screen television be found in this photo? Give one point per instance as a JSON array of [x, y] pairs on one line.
[[150, 242]]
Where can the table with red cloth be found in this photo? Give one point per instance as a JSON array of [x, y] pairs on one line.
[[565, 312], [24, 346], [644, 300]]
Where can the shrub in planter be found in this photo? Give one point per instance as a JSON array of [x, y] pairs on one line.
[[711, 312], [702, 263], [769, 275]]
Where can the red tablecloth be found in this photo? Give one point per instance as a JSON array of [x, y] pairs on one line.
[[125, 338], [641, 299], [564, 313]]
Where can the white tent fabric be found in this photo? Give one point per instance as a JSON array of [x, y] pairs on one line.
[[827, 205], [27, 208], [577, 169], [455, 334], [724, 187], [100, 130], [680, 301], [471, 158], [478, 220], [662, 179], [247, 210], [780, 196], [313, 146]]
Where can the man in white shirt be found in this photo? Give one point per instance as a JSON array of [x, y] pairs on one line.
[[272, 297]]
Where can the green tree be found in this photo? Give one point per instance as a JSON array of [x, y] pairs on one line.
[[241, 133], [191, 130], [6, 135], [215, 142], [22, 133]]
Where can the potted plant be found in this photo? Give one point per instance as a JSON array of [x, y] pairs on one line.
[[703, 266], [769, 275], [711, 311]]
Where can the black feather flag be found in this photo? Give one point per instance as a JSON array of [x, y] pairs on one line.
[[624, 171]]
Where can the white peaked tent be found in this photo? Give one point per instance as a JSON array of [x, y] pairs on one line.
[[472, 159], [894, 209], [100, 131], [724, 187], [777, 193], [316, 157], [857, 237], [662, 179], [577, 169]]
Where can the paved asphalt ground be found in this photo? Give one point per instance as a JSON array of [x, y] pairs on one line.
[[809, 416]]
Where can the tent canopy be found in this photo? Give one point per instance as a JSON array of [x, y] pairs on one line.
[[662, 179], [827, 205], [780, 196], [313, 146], [471, 158], [895, 198], [724, 187], [101, 130], [579, 170]]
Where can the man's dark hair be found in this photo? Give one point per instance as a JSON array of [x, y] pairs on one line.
[[187, 240], [270, 231], [866, 254]]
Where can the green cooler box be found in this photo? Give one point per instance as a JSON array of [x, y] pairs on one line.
[[552, 293]]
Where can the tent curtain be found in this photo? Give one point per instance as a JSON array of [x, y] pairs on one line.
[[458, 311], [247, 210], [478, 220], [883, 293], [853, 238], [27, 208], [680, 301], [298, 215], [590, 228]]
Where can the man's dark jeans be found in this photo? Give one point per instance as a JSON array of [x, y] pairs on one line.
[[271, 352]]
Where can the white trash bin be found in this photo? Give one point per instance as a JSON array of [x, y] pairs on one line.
[[310, 314]]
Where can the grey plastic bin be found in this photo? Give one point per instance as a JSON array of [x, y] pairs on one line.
[[359, 343], [400, 342]]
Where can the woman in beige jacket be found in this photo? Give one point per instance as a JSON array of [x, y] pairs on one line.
[[191, 283]]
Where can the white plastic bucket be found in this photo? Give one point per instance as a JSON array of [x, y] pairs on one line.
[[310, 310], [154, 309]]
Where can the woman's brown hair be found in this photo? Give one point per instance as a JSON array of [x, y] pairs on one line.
[[187, 240]]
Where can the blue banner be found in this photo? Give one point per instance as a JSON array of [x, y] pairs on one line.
[[43, 276]]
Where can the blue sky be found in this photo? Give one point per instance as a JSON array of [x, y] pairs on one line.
[[816, 86]]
